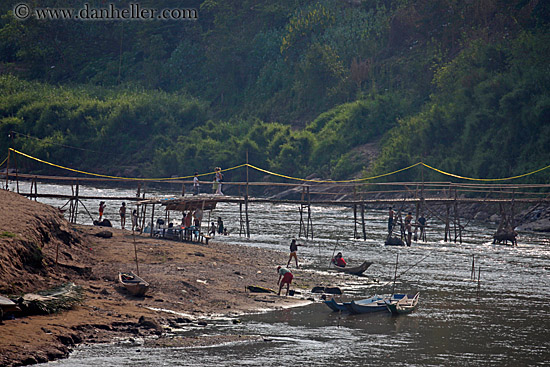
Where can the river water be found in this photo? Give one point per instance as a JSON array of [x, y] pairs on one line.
[[503, 322]]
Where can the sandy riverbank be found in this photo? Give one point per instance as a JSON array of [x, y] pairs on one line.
[[196, 281]]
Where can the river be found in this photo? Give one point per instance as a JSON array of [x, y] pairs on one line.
[[503, 322]]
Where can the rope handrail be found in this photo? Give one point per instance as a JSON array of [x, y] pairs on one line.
[[116, 177], [277, 174], [484, 179]]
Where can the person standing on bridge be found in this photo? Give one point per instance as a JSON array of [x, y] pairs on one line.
[[219, 179]]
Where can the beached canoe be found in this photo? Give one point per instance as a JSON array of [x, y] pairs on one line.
[[356, 270], [374, 304], [133, 283], [347, 306], [405, 304], [335, 306]]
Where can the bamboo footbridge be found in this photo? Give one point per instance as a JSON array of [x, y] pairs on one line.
[[441, 200]]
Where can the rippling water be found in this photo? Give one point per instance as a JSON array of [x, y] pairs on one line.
[[503, 323]]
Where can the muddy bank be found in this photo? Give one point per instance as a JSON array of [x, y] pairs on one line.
[[189, 282]]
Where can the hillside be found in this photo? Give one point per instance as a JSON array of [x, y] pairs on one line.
[[300, 86]]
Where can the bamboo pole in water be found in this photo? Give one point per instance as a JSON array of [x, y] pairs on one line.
[[473, 273], [135, 251], [395, 274]]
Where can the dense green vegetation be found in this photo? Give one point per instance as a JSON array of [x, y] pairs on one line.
[[303, 86]]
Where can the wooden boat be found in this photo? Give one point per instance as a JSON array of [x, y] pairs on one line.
[[405, 304], [335, 306], [357, 270], [133, 283], [376, 304]]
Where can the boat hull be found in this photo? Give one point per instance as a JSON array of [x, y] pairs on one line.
[[405, 305], [335, 306], [357, 270], [133, 283]]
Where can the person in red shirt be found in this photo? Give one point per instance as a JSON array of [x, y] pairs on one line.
[[338, 260]]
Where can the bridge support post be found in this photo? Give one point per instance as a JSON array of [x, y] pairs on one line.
[[362, 220], [355, 221], [308, 224]]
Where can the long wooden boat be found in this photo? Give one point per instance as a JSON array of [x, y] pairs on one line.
[[407, 304], [133, 283], [357, 270], [347, 306]]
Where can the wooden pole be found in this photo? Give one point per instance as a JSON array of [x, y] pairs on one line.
[[333, 251], [416, 221], [71, 205], [152, 221], [87, 211], [355, 221], [143, 213], [479, 277], [135, 251], [246, 200], [473, 273], [363, 221], [8, 170], [395, 274], [16, 173], [202, 216], [76, 202], [447, 226], [454, 219], [459, 225], [302, 225], [241, 222], [309, 220]]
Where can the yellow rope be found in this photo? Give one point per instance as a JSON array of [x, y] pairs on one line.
[[330, 181], [4, 161], [278, 174], [483, 179], [116, 177]]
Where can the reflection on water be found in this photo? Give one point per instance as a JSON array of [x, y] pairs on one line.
[[503, 323]]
